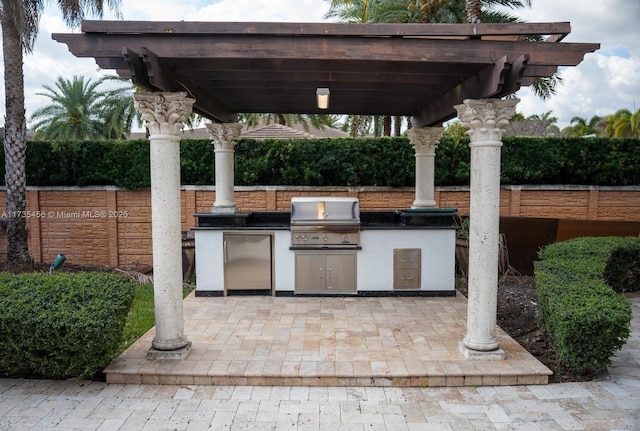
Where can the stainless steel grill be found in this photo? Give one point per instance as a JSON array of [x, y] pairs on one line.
[[325, 222]]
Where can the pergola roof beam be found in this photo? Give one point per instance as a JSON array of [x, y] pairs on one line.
[[325, 29], [371, 69]]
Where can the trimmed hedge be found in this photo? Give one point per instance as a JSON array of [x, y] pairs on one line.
[[586, 319], [622, 271], [61, 325], [386, 162]]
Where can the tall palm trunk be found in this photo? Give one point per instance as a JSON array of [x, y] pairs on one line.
[[397, 125], [15, 145], [473, 9], [387, 126]]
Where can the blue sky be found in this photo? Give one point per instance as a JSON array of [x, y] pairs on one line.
[[604, 82]]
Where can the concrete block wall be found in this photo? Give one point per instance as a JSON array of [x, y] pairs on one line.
[[110, 226]]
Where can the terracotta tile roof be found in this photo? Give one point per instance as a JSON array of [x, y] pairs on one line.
[[277, 131], [264, 131]]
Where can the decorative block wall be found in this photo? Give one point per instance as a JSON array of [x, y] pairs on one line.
[[109, 226]]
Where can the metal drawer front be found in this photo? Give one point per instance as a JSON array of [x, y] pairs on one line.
[[407, 268]]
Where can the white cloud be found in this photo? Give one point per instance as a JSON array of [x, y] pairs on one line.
[[606, 80], [51, 59], [599, 86], [274, 10]]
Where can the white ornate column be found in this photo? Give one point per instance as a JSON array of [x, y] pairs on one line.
[[164, 114], [425, 140], [224, 137], [485, 120]]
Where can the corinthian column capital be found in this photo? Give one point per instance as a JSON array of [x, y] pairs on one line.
[[425, 140], [163, 113], [486, 118], [224, 135]]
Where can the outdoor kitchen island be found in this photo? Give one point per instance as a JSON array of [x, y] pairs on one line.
[[326, 246]]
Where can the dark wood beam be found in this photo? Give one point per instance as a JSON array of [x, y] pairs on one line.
[[324, 29], [158, 72], [112, 62], [148, 71], [231, 65], [385, 69], [207, 104], [258, 78], [488, 83], [327, 48], [513, 79], [137, 70]]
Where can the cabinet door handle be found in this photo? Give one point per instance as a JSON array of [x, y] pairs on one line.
[[406, 278], [407, 259], [224, 251]]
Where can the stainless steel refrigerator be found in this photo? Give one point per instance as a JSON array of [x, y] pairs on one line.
[[247, 261]]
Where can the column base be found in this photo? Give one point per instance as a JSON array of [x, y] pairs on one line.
[[224, 210], [423, 204], [169, 354], [477, 355]]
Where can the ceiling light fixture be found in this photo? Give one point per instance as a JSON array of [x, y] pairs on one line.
[[322, 94]]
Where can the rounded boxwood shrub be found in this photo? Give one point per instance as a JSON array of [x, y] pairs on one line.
[[61, 325]]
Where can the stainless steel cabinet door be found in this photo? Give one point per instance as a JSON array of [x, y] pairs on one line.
[[325, 272], [341, 272], [310, 272], [247, 262]]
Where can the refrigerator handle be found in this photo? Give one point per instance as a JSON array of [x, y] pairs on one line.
[[224, 251]]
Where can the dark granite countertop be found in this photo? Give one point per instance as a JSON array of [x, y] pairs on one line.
[[432, 218]]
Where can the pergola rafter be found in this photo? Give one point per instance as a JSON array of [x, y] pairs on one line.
[[419, 70]]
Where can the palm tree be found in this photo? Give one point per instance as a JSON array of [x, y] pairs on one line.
[[119, 112], [476, 11], [355, 11], [435, 11], [319, 121], [583, 127], [20, 21], [473, 11], [79, 111], [623, 124], [533, 125]]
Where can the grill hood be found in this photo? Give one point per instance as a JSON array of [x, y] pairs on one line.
[[325, 210]]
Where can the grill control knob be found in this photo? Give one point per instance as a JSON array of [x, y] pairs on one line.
[[345, 238], [325, 237]]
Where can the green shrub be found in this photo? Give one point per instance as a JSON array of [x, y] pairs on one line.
[[586, 319], [61, 325], [622, 270], [384, 162], [589, 324]]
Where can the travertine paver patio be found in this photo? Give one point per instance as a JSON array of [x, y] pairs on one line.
[[326, 341], [611, 403]]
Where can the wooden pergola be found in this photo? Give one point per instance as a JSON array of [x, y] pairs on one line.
[[417, 70], [431, 72]]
